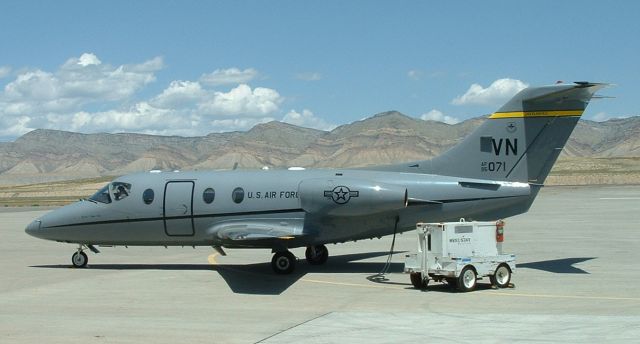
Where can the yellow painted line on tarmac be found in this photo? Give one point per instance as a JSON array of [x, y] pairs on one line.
[[549, 296], [351, 284]]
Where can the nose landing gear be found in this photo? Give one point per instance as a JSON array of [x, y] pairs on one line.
[[79, 259]]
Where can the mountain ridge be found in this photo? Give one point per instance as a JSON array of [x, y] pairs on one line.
[[384, 138]]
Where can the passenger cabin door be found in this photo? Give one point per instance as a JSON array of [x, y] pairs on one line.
[[178, 208]]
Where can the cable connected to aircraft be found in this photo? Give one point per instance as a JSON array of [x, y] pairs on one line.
[[496, 172]]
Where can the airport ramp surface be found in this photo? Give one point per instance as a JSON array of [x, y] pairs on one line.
[[577, 281]]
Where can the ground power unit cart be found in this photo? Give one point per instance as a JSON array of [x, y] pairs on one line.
[[460, 254]]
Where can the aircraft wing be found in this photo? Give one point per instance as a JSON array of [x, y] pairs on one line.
[[258, 229]]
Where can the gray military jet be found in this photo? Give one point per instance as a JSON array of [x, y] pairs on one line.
[[494, 173]]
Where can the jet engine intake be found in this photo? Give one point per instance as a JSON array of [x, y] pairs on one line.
[[350, 197]]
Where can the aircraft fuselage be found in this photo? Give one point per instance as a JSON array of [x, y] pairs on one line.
[[178, 213]]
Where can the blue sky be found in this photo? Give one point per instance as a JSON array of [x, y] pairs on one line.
[[190, 68]]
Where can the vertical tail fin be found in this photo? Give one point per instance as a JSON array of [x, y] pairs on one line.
[[520, 142]]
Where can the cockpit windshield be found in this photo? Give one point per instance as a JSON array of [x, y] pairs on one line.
[[102, 195], [112, 191]]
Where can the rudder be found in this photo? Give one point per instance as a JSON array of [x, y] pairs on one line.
[[520, 142]]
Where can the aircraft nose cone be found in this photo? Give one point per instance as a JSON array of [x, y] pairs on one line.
[[33, 228]]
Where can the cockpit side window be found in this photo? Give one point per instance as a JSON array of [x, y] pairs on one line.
[[113, 191], [102, 195], [120, 190]]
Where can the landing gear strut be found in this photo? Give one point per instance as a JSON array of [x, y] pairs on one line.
[[79, 259], [316, 255], [283, 262]]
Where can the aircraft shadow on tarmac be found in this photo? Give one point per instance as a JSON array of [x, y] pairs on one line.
[[259, 278], [558, 266]]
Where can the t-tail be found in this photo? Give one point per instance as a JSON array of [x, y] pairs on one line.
[[520, 142]]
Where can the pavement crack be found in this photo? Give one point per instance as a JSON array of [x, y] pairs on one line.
[[292, 327]]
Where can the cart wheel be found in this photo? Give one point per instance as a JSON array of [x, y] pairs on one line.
[[467, 279], [502, 276], [418, 281]]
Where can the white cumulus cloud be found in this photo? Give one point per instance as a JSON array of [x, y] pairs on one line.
[[603, 117], [242, 100], [88, 95], [180, 94], [498, 92], [232, 124], [4, 71], [306, 118], [309, 76], [140, 116], [414, 74], [88, 59], [436, 115], [183, 108], [14, 126], [229, 76], [77, 82]]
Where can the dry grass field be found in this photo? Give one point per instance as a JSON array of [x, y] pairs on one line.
[[50, 193], [595, 171]]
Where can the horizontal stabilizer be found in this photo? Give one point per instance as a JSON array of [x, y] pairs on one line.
[[483, 186]]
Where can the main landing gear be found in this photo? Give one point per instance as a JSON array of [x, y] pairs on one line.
[[79, 259], [284, 262], [316, 255]]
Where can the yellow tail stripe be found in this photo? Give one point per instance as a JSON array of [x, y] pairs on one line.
[[522, 114]]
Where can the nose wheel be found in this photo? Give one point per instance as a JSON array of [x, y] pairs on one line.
[[79, 259]]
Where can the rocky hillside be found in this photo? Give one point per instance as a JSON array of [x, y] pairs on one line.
[[384, 138], [613, 138]]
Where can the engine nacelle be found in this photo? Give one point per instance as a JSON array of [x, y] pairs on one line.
[[350, 197]]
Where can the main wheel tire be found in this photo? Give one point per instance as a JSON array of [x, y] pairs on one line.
[[283, 262], [467, 280], [418, 281], [502, 276], [316, 255], [79, 259], [452, 282]]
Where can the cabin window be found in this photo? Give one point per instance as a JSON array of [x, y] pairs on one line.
[[208, 195], [147, 196], [237, 195]]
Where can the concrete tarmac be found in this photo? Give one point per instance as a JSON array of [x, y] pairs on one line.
[[578, 280]]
